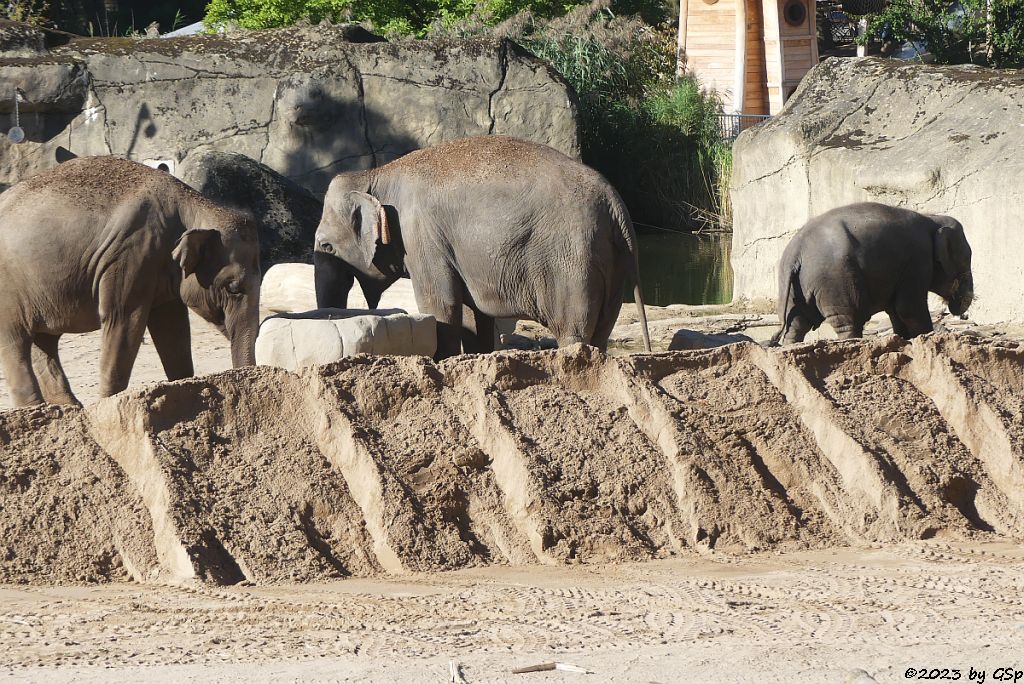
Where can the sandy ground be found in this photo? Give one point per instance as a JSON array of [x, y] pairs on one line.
[[798, 617], [792, 615]]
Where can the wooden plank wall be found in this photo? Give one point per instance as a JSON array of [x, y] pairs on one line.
[[710, 46], [777, 54], [772, 53], [755, 96], [799, 50]]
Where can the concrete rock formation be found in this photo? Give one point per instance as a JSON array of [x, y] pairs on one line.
[[942, 140], [289, 288], [294, 341], [388, 464], [287, 213], [307, 101]]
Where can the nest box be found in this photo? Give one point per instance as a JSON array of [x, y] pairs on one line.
[[753, 53]]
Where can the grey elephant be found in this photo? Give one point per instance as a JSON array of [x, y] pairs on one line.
[[106, 243], [512, 229], [855, 261]]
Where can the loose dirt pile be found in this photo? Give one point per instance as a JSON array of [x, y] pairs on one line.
[[381, 465]]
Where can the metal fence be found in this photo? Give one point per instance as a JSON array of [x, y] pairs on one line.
[[731, 125]]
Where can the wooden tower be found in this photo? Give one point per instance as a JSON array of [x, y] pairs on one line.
[[753, 53]]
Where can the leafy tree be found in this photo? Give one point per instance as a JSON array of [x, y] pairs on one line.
[[967, 31], [412, 16]]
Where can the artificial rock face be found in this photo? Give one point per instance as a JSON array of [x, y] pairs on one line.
[[293, 341], [290, 288], [306, 101], [940, 140]]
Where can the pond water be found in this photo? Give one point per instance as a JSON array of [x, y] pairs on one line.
[[683, 268]]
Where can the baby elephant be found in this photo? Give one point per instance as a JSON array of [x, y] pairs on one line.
[[855, 261]]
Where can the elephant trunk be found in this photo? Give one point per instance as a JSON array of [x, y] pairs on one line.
[[372, 291], [332, 280], [963, 296], [242, 322], [243, 349]]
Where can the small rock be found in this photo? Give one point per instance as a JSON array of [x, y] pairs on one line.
[[692, 339]]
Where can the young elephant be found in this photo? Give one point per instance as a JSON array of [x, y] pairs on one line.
[[855, 261], [100, 242], [510, 228]]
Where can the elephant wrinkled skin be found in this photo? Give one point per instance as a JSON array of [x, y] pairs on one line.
[[855, 261], [110, 244], [510, 228]]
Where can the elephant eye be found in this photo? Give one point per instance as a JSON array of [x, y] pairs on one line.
[[234, 288], [327, 247]]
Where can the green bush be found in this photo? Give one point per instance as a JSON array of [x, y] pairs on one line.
[[386, 16], [402, 17], [655, 138]]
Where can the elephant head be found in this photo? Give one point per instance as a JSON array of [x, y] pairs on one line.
[[952, 279], [220, 270], [355, 240]]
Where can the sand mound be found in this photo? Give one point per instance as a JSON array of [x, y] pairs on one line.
[[382, 465]]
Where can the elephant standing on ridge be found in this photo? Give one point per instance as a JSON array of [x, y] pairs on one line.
[[511, 228], [855, 261], [107, 243]]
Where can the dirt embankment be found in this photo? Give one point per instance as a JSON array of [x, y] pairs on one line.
[[381, 465]]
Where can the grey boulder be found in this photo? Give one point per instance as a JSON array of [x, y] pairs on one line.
[[287, 213]]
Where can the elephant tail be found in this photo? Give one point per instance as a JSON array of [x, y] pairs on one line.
[[791, 275], [639, 298], [627, 234]]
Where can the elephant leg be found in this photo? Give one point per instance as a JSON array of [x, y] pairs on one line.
[[168, 326], [46, 363], [481, 340], [910, 317], [899, 328], [572, 314], [449, 332], [569, 332], [604, 327], [799, 325], [441, 298], [16, 359], [846, 326], [121, 338]]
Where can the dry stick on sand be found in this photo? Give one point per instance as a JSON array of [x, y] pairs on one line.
[[545, 667], [456, 674]]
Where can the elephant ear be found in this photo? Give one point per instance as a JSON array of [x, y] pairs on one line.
[[371, 219], [951, 248], [193, 247]]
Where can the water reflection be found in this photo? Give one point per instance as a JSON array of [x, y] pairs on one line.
[[681, 268]]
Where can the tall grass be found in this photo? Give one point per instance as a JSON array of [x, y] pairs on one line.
[[655, 138]]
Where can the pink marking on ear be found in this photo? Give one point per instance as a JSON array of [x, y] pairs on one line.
[[383, 229]]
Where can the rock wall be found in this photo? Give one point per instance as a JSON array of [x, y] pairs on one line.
[[306, 101], [944, 140]]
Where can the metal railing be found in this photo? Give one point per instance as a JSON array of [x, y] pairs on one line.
[[731, 125]]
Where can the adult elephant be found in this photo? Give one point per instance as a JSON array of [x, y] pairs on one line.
[[512, 229], [855, 261], [106, 243]]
